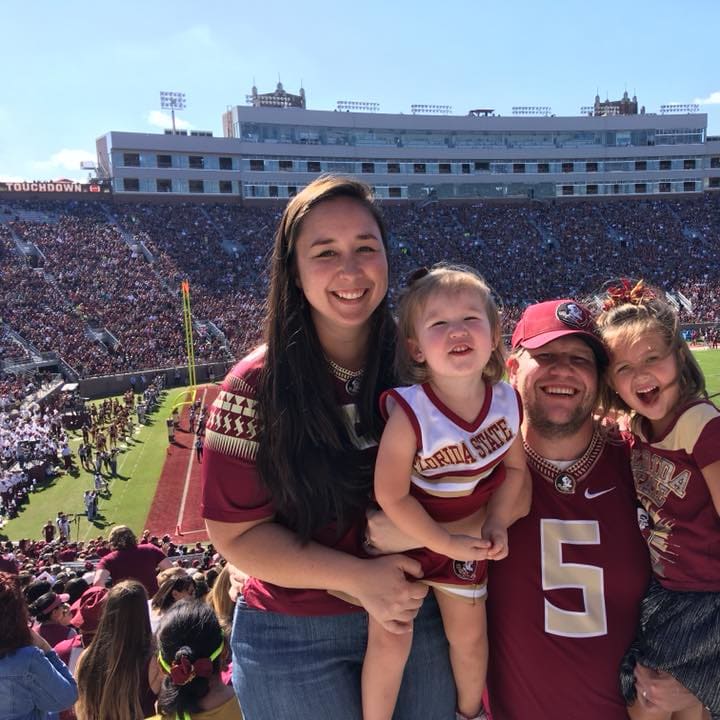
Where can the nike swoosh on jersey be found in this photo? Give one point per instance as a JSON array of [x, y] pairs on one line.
[[591, 495]]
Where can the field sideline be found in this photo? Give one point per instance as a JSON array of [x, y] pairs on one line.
[[139, 468]]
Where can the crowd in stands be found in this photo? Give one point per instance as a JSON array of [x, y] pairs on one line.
[[15, 387], [221, 250], [58, 556], [36, 309], [10, 350], [65, 622], [111, 286], [119, 268]]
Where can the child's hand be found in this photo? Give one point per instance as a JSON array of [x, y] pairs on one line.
[[466, 548], [497, 536]]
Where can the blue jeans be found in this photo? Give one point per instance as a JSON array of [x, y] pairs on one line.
[[308, 668]]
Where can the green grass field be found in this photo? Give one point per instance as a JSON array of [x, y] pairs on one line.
[[139, 468], [710, 363]]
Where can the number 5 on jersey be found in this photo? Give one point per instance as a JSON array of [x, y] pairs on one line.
[[556, 575]]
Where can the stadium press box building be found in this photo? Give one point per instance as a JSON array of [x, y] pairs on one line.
[[272, 152]]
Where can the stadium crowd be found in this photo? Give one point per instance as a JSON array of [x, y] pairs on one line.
[[79, 598], [119, 268], [94, 273], [111, 286]]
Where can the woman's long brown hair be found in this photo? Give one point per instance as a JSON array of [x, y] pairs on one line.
[[109, 672], [306, 457]]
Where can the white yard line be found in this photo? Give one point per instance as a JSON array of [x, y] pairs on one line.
[[186, 488]]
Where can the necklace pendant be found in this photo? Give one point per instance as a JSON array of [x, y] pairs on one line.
[[352, 386], [565, 483]]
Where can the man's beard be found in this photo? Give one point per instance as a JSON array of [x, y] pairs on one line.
[[547, 428]]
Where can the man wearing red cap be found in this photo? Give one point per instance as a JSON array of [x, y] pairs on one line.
[[563, 607]]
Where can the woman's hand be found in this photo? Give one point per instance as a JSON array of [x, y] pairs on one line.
[[40, 642], [237, 582], [381, 586]]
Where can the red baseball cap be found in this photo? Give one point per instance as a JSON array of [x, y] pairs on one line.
[[88, 608], [547, 321]]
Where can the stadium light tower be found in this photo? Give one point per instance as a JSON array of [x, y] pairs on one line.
[[172, 101]]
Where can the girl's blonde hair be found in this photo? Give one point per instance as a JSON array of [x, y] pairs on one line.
[[447, 279], [632, 310], [221, 602]]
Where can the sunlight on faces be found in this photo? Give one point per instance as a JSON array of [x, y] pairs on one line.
[[558, 384], [61, 614], [452, 333], [644, 373], [341, 266]]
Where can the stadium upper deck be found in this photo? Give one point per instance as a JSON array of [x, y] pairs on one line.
[[272, 152]]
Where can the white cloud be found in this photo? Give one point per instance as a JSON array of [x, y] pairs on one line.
[[65, 159], [156, 118], [712, 99]]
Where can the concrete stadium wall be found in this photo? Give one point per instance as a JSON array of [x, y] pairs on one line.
[[102, 386]]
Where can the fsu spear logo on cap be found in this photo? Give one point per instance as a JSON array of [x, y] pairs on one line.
[[573, 315]]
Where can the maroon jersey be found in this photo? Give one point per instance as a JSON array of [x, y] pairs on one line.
[[138, 563], [681, 525], [8, 565], [54, 632], [563, 606], [233, 491]]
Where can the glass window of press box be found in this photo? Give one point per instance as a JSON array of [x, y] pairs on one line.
[[266, 133]]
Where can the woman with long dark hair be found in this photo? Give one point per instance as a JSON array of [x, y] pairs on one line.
[[117, 672], [288, 470], [192, 653], [34, 682]]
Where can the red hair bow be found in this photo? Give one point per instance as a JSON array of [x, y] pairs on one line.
[[183, 671], [627, 294]]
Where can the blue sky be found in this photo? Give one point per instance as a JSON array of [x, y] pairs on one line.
[[72, 70]]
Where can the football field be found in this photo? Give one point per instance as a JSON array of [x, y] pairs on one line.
[[710, 363], [140, 465]]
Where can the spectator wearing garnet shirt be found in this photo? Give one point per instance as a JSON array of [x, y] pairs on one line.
[[48, 531], [130, 561], [8, 565]]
